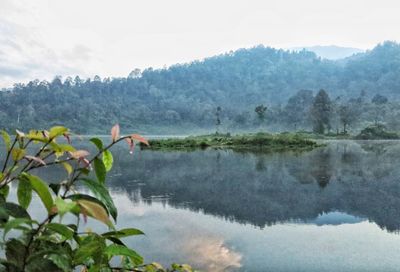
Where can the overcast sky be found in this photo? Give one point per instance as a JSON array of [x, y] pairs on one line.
[[44, 38]]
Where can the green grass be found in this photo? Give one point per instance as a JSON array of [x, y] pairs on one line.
[[259, 141]]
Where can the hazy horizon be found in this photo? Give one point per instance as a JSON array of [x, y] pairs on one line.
[[312, 48], [46, 38]]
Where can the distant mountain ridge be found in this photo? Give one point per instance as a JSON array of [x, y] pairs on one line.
[[188, 94], [331, 52]]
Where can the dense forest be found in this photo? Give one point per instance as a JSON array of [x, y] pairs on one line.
[[254, 88]]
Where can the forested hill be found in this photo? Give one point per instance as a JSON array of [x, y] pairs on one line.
[[187, 95]]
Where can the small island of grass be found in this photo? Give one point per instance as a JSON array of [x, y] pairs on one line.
[[258, 141]]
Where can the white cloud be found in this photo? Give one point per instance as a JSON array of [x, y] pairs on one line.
[[44, 38]]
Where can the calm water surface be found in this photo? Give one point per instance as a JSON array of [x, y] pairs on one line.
[[336, 208]]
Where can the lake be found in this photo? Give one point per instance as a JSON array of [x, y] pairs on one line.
[[336, 208]]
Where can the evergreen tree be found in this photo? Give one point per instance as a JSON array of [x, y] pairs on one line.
[[218, 118], [321, 112]]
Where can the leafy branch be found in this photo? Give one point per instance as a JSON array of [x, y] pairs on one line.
[[51, 246]]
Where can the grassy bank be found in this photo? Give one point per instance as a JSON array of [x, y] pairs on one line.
[[371, 132], [259, 141]]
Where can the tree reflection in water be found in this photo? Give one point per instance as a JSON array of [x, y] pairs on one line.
[[262, 189]]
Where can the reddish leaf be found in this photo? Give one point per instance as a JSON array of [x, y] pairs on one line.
[[115, 133], [131, 144], [86, 162], [45, 133], [139, 138], [84, 215], [132, 148], [79, 154], [36, 159], [66, 135]]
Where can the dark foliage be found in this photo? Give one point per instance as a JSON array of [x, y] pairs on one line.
[[186, 95]]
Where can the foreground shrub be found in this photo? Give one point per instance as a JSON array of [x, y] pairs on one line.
[[31, 244]]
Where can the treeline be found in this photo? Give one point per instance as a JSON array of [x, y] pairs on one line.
[[189, 96], [324, 115]]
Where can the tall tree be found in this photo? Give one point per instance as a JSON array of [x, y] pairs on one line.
[[261, 112], [218, 118], [347, 116], [297, 109], [321, 112], [379, 107]]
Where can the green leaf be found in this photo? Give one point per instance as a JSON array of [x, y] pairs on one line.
[[84, 171], [15, 210], [24, 193], [115, 240], [154, 267], [57, 131], [102, 194], [123, 233], [37, 136], [17, 153], [108, 160], [67, 167], [61, 148], [6, 139], [66, 147], [42, 189], [118, 250], [8, 266], [64, 206], [61, 261], [13, 169], [97, 142], [181, 268], [41, 264], [100, 170], [61, 229], [5, 190], [15, 252], [91, 246], [3, 215], [55, 187], [16, 224]]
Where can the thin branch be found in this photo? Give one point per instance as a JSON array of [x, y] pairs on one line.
[[73, 180], [8, 154], [48, 164], [68, 186], [37, 154], [125, 269]]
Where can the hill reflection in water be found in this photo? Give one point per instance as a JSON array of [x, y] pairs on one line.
[[335, 208], [360, 179]]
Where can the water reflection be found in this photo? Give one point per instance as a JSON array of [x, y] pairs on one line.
[[360, 179], [174, 235], [332, 209]]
